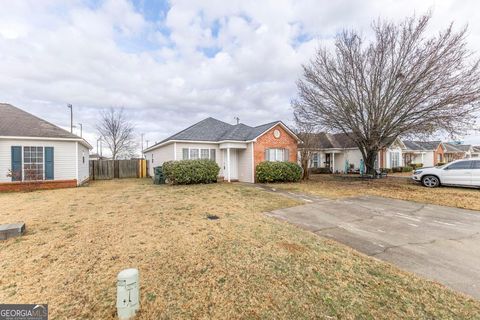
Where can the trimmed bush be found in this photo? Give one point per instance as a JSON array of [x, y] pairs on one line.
[[278, 172], [407, 169], [319, 170], [440, 164], [191, 171], [416, 165]]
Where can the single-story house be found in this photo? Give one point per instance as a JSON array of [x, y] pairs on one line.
[[429, 153], [237, 149], [339, 153], [455, 151], [32, 149]]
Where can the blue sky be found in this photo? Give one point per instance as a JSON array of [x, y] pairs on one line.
[[172, 63]]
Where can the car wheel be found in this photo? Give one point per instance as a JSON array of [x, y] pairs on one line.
[[430, 181]]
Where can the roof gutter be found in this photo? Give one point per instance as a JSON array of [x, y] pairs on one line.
[[82, 141]]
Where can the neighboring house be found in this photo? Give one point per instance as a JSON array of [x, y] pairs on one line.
[[429, 153], [96, 156], [476, 152], [237, 149], [339, 153], [456, 151], [32, 149]]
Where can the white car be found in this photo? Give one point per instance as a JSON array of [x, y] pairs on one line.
[[460, 173]]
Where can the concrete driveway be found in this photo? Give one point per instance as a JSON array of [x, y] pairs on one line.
[[436, 242]]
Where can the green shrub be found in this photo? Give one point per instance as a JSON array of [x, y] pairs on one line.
[[407, 169], [416, 165], [191, 171], [319, 170], [397, 169], [278, 172], [440, 164]]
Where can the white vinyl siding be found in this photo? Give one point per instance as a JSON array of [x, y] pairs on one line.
[[83, 163], [245, 168], [64, 162], [160, 155]]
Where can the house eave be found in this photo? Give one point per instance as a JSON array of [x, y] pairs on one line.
[[82, 141]]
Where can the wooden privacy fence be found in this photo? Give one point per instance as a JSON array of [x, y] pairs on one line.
[[117, 169]]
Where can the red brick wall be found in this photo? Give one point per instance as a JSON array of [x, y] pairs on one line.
[[438, 152], [41, 185], [267, 141]]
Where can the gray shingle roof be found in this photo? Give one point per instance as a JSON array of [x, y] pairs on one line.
[[214, 130], [421, 145], [15, 122], [456, 148], [333, 141]]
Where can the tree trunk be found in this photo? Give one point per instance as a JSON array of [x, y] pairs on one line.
[[369, 159], [304, 161]]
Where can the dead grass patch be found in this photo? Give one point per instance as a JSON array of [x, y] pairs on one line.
[[243, 265], [392, 187]]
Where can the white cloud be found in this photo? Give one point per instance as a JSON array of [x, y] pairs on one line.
[[206, 58]]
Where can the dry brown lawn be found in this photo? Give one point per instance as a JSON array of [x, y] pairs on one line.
[[337, 186], [244, 265]]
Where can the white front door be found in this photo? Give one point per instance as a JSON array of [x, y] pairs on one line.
[[233, 164]]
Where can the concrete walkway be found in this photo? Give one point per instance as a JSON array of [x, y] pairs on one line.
[[436, 242]]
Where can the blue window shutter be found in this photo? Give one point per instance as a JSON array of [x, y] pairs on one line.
[[48, 163], [16, 163]]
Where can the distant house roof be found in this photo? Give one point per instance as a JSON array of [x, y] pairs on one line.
[[421, 145], [324, 140], [214, 130], [456, 148], [15, 122]]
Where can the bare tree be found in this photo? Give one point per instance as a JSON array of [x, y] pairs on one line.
[[307, 134], [401, 83], [117, 132]]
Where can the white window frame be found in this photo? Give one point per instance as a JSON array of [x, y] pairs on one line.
[[394, 159], [212, 153], [42, 163], [315, 159], [277, 153]]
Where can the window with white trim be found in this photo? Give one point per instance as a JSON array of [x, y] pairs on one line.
[[315, 160], [204, 153], [198, 153], [394, 159], [276, 154], [194, 154], [33, 163]]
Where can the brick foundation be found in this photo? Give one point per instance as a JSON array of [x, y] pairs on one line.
[[38, 185]]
